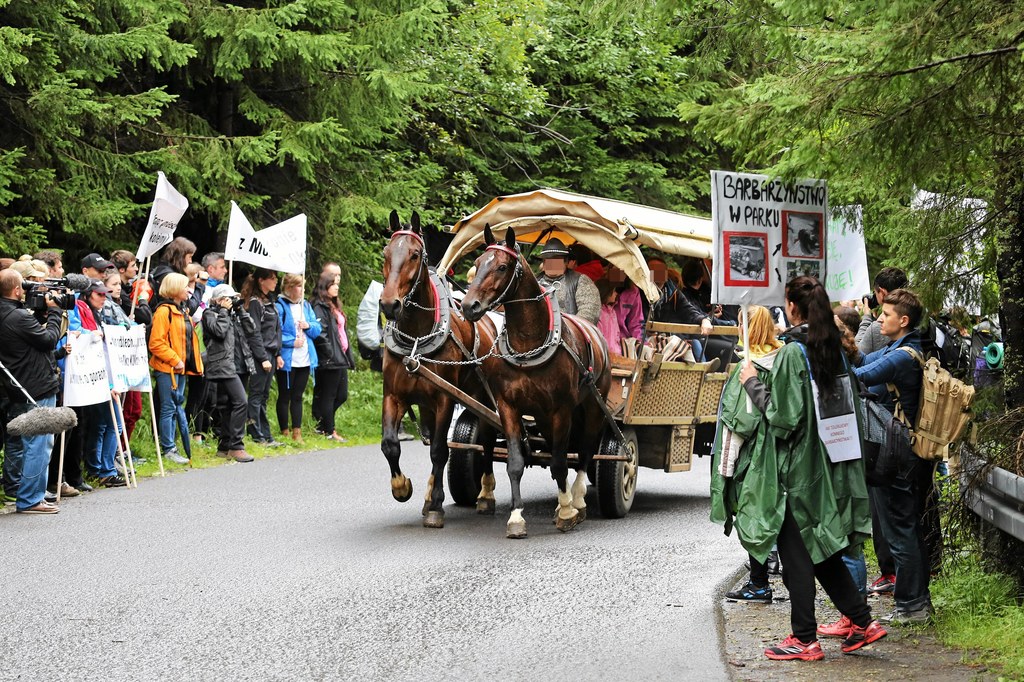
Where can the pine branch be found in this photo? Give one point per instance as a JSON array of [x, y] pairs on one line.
[[951, 60], [550, 132]]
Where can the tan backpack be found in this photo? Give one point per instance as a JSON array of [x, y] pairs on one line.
[[943, 413]]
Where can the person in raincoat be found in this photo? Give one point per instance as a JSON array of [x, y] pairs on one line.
[[808, 497], [735, 426]]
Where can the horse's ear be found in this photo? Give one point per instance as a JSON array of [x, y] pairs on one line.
[[488, 235], [396, 224], [510, 238], [416, 222]]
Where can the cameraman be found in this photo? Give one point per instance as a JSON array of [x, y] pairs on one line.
[[232, 342], [869, 336], [27, 350]]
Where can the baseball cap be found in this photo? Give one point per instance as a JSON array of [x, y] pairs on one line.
[[95, 260], [222, 291], [26, 269], [96, 287]]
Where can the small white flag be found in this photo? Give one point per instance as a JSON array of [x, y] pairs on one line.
[[168, 207]]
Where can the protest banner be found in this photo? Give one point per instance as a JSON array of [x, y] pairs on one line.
[[766, 232], [168, 207], [847, 278], [278, 247], [128, 357], [85, 372]]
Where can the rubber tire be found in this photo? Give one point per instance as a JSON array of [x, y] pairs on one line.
[[465, 467], [616, 481]]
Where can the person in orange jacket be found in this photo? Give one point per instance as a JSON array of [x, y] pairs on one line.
[[174, 352]]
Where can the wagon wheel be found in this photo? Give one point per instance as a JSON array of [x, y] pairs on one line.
[[465, 467], [616, 481]]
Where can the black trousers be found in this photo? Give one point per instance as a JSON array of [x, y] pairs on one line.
[[886, 564], [231, 403], [290, 387], [258, 388], [330, 391], [758, 572], [798, 574]]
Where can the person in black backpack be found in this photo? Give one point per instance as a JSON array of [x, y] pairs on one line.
[[257, 292], [330, 387]]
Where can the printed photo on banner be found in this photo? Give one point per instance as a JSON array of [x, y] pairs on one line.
[[802, 268], [747, 255], [804, 234]]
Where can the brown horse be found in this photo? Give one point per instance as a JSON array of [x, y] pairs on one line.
[[425, 322], [545, 361]]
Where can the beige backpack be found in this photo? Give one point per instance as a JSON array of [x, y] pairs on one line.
[[943, 413]]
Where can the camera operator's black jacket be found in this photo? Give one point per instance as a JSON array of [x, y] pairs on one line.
[[26, 349], [232, 342]]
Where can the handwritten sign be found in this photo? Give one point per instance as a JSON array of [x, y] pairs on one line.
[[85, 372], [128, 356], [766, 232], [847, 257], [278, 247], [168, 207]]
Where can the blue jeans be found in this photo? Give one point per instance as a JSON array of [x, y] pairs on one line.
[[900, 514], [102, 442], [172, 410], [853, 557], [35, 458]]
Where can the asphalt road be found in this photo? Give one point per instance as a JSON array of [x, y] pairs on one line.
[[305, 568]]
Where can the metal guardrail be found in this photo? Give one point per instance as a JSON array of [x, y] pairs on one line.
[[998, 499]]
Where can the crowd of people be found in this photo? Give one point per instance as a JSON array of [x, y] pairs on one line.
[[214, 355]]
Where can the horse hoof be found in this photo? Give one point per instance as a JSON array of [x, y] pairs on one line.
[[433, 519], [581, 515], [566, 525], [402, 491], [516, 530], [426, 508], [485, 506]]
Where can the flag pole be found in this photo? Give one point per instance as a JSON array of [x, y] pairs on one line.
[[156, 435]]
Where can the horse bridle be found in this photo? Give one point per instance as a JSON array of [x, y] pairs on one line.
[[407, 299], [516, 274]]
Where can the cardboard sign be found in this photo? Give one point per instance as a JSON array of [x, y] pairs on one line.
[[837, 421], [128, 357], [847, 256], [85, 372], [766, 232], [168, 207], [278, 247]]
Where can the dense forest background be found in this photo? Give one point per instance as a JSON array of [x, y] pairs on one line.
[[347, 110]]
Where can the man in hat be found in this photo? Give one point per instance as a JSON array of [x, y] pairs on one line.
[[94, 265], [29, 272], [577, 295]]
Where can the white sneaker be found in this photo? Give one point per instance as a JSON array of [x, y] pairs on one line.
[[175, 456]]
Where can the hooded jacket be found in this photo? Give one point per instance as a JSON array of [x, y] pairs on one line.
[[169, 338], [232, 342], [289, 332]]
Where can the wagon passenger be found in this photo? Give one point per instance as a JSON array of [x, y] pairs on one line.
[[811, 506], [577, 295]]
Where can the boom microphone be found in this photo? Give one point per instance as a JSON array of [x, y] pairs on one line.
[[39, 420], [42, 420], [77, 282]]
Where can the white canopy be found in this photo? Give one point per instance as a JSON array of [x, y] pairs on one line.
[[613, 230]]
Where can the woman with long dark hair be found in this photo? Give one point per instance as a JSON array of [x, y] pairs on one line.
[[257, 293], [812, 497], [330, 387]]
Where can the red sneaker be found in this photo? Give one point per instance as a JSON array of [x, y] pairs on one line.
[[858, 637], [792, 649], [840, 628], [884, 585]]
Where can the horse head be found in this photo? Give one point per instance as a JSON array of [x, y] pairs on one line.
[[405, 265], [498, 273]]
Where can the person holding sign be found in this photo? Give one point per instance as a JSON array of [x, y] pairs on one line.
[[809, 443], [174, 353]]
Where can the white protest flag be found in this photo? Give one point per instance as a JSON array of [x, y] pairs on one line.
[[847, 256], [85, 372], [168, 207], [278, 247], [766, 232], [128, 357]]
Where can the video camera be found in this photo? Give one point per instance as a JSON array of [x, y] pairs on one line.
[[57, 290]]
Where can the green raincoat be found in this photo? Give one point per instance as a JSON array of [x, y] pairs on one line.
[[783, 461]]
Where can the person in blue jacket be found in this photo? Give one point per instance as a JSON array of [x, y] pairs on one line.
[[901, 505], [299, 327]]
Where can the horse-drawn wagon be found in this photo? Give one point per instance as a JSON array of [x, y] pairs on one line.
[[656, 413]]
